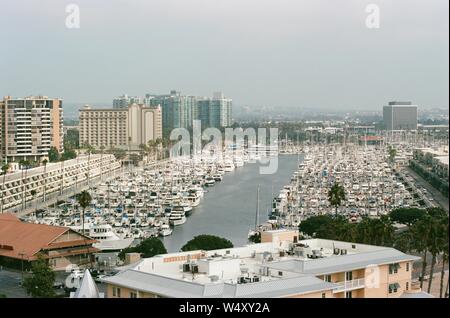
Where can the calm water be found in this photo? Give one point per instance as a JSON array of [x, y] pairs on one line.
[[228, 209]]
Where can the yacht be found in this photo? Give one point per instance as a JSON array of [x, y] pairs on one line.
[[165, 230], [177, 217], [108, 240], [209, 181], [193, 198]]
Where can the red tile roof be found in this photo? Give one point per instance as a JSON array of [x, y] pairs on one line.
[[24, 240]]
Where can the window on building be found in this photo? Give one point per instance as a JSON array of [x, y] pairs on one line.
[[348, 275], [393, 288], [407, 267], [348, 294], [328, 278], [407, 286], [114, 292], [324, 295], [133, 294], [393, 268]]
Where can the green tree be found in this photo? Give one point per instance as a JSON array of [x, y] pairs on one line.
[[53, 154], [147, 248], [68, 154], [255, 238], [407, 215], [40, 283], [84, 200], [206, 242], [392, 152], [312, 224], [336, 195]]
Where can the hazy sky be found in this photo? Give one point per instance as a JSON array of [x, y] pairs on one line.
[[299, 53]]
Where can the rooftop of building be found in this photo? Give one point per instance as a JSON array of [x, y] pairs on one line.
[[257, 270], [23, 240]]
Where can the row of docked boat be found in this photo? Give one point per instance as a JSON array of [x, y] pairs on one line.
[[372, 187], [143, 201]]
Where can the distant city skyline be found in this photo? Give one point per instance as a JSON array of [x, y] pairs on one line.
[[296, 54]]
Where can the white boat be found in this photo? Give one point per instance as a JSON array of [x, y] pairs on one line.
[[193, 198], [209, 182], [177, 217], [229, 166], [165, 230], [108, 240]]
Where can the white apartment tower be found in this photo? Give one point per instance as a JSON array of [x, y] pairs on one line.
[[29, 127]]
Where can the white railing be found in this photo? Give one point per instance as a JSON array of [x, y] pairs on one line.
[[349, 285]]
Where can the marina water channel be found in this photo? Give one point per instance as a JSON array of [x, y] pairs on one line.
[[229, 208]]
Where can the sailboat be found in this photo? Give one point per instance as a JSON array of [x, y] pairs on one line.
[[255, 231]]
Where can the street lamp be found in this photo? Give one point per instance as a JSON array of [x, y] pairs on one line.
[[21, 256]]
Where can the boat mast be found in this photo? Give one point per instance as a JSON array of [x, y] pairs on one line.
[[257, 210]]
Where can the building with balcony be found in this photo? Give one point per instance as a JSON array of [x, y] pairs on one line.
[[53, 178], [120, 127], [29, 127], [280, 266]]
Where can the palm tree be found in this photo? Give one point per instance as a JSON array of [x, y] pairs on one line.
[[419, 231], [5, 169], [102, 148], [433, 246], [336, 195], [24, 166], [89, 149], [84, 200], [444, 246], [33, 193], [44, 162]]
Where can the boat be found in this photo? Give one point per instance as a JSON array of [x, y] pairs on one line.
[[209, 181], [177, 218], [165, 230], [108, 239]]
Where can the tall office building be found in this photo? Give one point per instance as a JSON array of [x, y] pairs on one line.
[[29, 127], [400, 116], [120, 127]]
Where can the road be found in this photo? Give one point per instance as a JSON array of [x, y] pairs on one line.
[[10, 284], [437, 196]]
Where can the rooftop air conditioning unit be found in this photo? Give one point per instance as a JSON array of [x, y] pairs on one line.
[[214, 278], [186, 267], [343, 251], [194, 268], [336, 251]]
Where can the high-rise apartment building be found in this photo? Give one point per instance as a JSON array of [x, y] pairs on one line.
[[179, 111], [29, 127], [400, 116], [120, 127], [124, 101]]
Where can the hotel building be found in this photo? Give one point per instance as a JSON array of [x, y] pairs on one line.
[[120, 127], [29, 127], [280, 266]]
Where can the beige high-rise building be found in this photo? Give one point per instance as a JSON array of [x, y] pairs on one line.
[[29, 127], [120, 127]]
